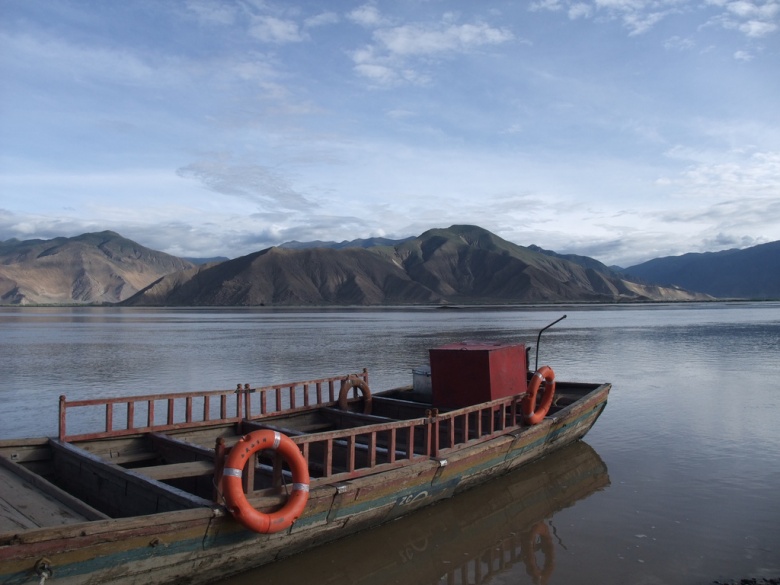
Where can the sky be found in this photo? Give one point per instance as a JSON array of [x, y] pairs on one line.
[[623, 130]]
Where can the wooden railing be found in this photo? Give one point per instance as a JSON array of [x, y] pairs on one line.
[[477, 423], [344, 454], [341, 453], [287, 397], [361, 449], [164, 412]]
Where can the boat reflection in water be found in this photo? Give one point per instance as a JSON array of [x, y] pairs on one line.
[[468, 539]]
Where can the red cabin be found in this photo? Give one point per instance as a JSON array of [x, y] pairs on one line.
[[471, 372]]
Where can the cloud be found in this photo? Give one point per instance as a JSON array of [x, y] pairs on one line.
[[733, 176], [49, 57], [550, 5], [28, 226], [93, 83], [753, 19], [757, 28], [322, 19], [676, 43], [400, 161], [723, 241], [385, 71], [252, 182], [270, 29], [367, 15], [209, 12], [81, 62], [420, 39], [749, 10], [580, 10], [398, 52], [262, 26], [722, 199], [638, 16], [639, 23]]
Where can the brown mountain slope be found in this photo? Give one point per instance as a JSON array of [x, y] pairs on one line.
[[91, 268], [464, 262], [461, 264], [277, 276]]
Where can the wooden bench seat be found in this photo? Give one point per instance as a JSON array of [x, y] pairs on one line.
[[131, 458], [398, 408], [178, 470], [174, 450]]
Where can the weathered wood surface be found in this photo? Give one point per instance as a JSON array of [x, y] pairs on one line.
[[119, 492], [452, 451], [178, 470], [24, 506], [58, 507], [131, 415]]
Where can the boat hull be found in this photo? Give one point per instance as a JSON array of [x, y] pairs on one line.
[[204, 544]]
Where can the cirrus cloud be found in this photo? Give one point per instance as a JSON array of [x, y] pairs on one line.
[[753, 18], [253, 182]]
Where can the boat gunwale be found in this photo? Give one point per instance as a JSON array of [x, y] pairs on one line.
[[212, 527], [242, 395], [215, 510], [430, 428]]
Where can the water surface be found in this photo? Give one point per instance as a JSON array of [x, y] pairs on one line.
[[687, 452]]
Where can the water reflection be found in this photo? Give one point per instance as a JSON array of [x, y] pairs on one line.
[[503, 527]]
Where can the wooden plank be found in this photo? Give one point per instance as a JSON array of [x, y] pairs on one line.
[[130, 458], [398, 408], [177, 470], [27, 453], [167, 497], [16, 443], [175, 450], [348, 419], [249, 426], [24, 507], [104, 530], [39, 483], [116, 447], [11, 520], [204, 437]]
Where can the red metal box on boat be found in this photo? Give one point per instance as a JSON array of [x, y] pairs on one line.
[[467, 373]]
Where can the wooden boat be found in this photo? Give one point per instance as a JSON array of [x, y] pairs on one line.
[[193, 487]]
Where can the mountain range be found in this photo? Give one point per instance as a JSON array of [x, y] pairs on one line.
[[458, 265], [750, 273], [90, 268]]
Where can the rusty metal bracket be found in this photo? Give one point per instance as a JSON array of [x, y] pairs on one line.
[[43, 569]]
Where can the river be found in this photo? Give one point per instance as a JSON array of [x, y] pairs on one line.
[[676, 484]]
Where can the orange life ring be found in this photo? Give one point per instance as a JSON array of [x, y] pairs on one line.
[[532, 414], [355, 382], [538, 538], [237, 459]]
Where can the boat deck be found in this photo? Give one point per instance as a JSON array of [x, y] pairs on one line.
[[28, 500], [22, 506], [149, 464]]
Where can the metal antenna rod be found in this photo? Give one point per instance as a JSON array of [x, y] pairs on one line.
[[539, 337]]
